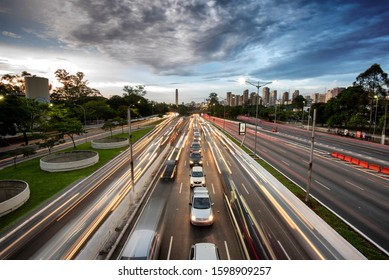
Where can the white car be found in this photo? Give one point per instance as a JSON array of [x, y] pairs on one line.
[[204, 251], [201, 213], [197, 177]]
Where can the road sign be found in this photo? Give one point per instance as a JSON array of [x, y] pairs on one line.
[[242, 128]]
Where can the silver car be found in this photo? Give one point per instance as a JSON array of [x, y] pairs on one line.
[[201, 213]]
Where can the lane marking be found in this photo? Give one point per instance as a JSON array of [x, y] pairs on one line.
[[180, 188], [285, 162], [213, 189], [321, 184], [283, 249], [170, 247], [228, 252], [352, 184], [245, 189]]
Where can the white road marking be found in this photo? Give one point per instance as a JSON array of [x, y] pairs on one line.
[[228, 252], [355, 185], [170, 247], [321, 184], [245, 189]]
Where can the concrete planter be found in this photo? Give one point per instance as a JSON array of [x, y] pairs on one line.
[[110, 143], [13, 194], [68, 161]]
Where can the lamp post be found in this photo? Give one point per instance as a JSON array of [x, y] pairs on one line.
[[375, 117], [130, 135], [258, 85], [384, 125]]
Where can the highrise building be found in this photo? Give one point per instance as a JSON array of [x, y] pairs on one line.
[[266, 96]]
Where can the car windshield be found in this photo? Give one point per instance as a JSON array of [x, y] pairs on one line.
[[197, 174], [195, 155], [201, 203], [195, 145]]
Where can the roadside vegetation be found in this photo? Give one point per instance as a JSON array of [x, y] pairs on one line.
[[44, 185]]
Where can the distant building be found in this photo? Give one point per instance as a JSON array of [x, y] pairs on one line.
[[273, 98], [266, 96], [37, 88], [333, 93], [295, 94], [284, 98]]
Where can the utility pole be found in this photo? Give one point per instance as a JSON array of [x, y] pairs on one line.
[[311, 157]]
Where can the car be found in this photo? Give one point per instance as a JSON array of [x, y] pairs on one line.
[[169, 170], [197, 135], [195, 158], [201, 213], [142, 245], [195, 147], [197, 177], [204, 251]]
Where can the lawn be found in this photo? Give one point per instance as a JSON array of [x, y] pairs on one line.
[[43, 185]]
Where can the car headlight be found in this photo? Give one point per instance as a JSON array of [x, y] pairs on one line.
[[210, 217], [193, 217]]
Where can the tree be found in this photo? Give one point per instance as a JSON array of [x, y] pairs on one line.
[[74, 88], [19, 114], [138, 90], [375, 82], [108, 125], [13, 84], [62, 122]]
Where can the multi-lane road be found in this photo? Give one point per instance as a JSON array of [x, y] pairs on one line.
[[286, 230], [359, 196]]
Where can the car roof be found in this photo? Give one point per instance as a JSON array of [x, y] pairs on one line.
[[205, 251], [197, 168]]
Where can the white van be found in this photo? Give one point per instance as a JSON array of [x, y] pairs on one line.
[[197, 177]]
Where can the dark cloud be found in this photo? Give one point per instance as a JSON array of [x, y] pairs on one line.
[[290, 39]]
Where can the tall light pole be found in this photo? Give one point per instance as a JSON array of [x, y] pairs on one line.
[[375, 117], [130, 135], [258, 85], [384, 125]]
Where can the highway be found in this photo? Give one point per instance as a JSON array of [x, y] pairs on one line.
[[360, 197], [272, 224], [61, 227], [255, 216]]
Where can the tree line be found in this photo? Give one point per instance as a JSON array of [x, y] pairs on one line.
[[72, 105]]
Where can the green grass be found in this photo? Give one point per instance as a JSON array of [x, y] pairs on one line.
[[43, 185], [354, 238]]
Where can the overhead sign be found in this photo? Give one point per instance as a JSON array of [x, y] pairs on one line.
[[242, 128]]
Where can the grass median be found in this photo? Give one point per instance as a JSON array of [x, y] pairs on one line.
[[43, 185]]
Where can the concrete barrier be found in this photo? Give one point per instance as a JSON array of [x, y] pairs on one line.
[[13, 194], [364, 164], [334, 154], [68, 161], [347, 158], [110, 143]]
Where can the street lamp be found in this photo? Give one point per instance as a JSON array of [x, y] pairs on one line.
[[375, 117], [130, 136], [258, 85]]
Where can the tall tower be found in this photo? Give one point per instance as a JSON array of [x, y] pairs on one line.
[[177, 97]]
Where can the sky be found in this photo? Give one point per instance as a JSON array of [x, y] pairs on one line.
[[196, 46]]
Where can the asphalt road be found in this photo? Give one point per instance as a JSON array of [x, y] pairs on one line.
[[360, 197]]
